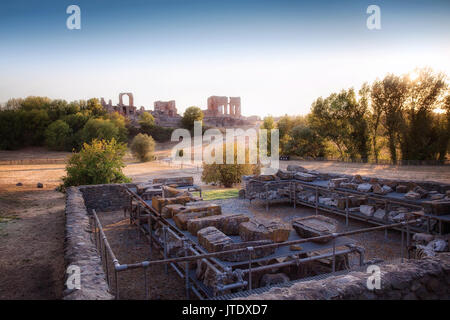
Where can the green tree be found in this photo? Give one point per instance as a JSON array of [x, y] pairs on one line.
[[100, 162], [190, 115], [305, 142], [100, 129], [420, 131], [228, 174], [142, 147], [58, 136], [146, 121], [390, 95]]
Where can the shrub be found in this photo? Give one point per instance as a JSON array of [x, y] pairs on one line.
[[100, 162], [142, 147], [228, 174], [58, 135]]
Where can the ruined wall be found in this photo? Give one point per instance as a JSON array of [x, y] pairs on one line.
[[414, 279], [105, 197], [79, 250]]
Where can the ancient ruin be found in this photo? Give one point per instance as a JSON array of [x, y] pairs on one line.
[[237, 255], [220, 111]]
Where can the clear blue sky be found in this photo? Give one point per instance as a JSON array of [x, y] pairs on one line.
[[278, 56]]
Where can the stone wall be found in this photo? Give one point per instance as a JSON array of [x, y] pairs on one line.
[[79, 250], [105, 197], [414, 279]]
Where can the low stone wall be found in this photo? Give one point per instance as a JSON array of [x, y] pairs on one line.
[[414, 279], [80, 251], [105, 197]]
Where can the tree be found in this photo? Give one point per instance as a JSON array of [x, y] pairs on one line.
[[305, 142], [100, 129], [268, 124], [142, 147], [341, 119], [390, 95], [99, 162], [146, 121], [420, 132], [190, 115], [228, 174], [58, 136]]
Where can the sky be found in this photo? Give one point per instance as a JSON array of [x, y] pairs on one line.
[[278, 56]]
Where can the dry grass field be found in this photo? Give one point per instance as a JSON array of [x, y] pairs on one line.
[[32, 219]]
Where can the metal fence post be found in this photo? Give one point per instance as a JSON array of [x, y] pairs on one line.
[[117, 283], [165, 247], [250, 253], [186, 265], [334, 251]]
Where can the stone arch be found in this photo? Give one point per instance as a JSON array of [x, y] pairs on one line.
[[130, 98]]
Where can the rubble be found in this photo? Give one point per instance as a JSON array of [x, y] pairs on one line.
[[259, 229], [315, 226]]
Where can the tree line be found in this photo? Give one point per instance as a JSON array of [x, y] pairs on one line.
[[404, 117]]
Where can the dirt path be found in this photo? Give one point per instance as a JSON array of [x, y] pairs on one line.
[[31, 243]]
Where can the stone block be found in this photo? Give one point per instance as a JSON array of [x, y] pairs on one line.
[[364, 187], [181, 218], [227, 223], [177, 181], [212, 239], [304, 176], [257, 253], [285, 175], [336, 183], [366, 210], [315, 226], [158, 202], [296, 168], [401, 188], [260, 229]]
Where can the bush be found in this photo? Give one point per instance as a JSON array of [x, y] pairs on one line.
[[228, 174], [100, 162], [58, 136], [142, 147]]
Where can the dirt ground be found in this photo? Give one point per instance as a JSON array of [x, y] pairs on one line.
[[130, 248], [32, 219], [31, 243]]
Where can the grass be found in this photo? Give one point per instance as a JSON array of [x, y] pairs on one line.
[[219, 194]]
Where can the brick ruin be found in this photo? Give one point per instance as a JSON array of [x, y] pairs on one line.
[[221, 111], [129, 111]]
